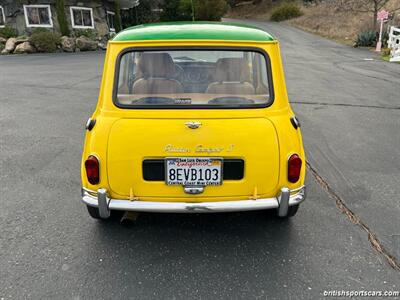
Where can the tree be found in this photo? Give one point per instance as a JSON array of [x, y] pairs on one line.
[[210, 10], [366, 6], [177, 10], [186, 10], [198, 10], [141, 14], [118, 25], [169, 10], [61, 17]]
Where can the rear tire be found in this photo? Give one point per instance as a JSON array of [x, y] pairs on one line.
[[292, 211], [93, 212]]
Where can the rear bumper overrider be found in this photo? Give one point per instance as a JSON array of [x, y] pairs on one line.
[[105, 204]]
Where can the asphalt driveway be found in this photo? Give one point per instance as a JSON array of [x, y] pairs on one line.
[[50, 248]]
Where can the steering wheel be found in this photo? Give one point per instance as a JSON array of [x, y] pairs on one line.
[[179, 74]]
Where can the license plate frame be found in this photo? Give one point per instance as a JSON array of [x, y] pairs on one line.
[[197, 159]]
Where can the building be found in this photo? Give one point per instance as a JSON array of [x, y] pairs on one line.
[[26, 15]]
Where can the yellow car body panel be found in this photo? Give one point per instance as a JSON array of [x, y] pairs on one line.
[[122, 138]]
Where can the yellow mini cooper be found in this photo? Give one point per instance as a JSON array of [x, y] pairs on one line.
[[193, 118]]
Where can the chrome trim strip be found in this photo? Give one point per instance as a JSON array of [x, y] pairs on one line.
[[107, 204], [87, 191], [298, 189]]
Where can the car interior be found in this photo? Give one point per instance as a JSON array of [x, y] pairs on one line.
[[167, 73]]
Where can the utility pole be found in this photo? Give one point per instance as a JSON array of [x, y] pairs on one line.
[[136, 3], [192, 10]]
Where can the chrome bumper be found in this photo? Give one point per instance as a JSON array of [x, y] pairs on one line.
[[281, 202]]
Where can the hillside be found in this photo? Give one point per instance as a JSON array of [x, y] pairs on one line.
[[325, 18]]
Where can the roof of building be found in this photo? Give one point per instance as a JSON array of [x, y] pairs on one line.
[[194, 31]]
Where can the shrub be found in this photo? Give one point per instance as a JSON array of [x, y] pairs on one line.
[[61, 17], [366, 39], [286, 11], [38, 30], [44, 40], [22, 37], [89, 33], [385, 38], [8, 32], [385, 52]]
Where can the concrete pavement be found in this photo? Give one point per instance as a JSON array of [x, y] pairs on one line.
[[50, 248]]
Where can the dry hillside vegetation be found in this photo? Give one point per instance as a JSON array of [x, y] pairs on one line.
[[248, 10], [329, 20], [325, 18]]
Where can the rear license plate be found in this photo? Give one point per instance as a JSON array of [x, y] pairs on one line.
[[195, 171]]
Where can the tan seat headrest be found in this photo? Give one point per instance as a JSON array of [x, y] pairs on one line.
[[232, 70], [156, 65]]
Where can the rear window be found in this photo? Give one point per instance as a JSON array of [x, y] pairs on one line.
[[200, 78]]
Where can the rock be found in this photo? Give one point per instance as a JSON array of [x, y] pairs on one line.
[[68, 44], [85, 44], [20, 40], [24, 47], [10, 46], [102, 46], [103, 41]]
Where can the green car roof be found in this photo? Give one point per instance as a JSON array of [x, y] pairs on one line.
[[194, 31]]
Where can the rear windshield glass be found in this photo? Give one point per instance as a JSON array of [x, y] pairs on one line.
[[193, 78]]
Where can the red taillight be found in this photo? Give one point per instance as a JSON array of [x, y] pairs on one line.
[[294, 168], [92, 169]]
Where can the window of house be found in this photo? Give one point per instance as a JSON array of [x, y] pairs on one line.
[[38, 16], [82, 17], [2, 17], [111, 20]]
